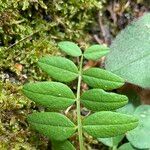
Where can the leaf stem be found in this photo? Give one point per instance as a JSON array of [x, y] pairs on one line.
[[78, 106]]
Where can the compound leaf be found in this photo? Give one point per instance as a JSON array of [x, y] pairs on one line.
[[59, 68], [140, 136], [98, 100], [52, 95], [62, 145], [53, 125], [70, 48], [100, 78], [130, 53], [95, 52], [108, 124]]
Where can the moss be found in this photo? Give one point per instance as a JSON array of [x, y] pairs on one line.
[[39, 25], [14, 130]]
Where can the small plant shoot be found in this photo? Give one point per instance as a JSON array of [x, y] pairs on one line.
[[56, 96]]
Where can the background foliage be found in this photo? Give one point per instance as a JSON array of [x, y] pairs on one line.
[[30, 29]]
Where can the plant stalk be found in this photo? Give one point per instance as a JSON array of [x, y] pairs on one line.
[[78, 106]]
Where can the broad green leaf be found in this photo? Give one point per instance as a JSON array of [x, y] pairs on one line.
[[59, 68], [100, 78], [52, 95], [140, 136], [126, 146], [64, 145], [106, 124], [127, 109], [98, 100], [130, 53], [111, 142], [95, 52], [70, 48], [134, 101], [53, 125]]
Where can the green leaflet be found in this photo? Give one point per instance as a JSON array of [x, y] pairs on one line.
[[130, 53], [95, 52], [106, 124], [126, 146], [98, 100], [70, 48], [64, 145], [140, 136], [53, 125], [59, 68], [53, 95], [99, 78]]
